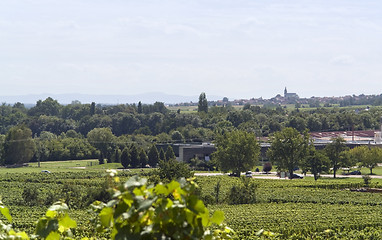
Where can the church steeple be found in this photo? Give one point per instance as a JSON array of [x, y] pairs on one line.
[[285, 92]]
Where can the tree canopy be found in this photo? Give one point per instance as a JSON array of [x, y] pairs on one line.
[[367, 156], [19, 146], [102, 139], [236, 151], [316, 162], [203, 104], [336, 153], [288, 149], [153, 156]]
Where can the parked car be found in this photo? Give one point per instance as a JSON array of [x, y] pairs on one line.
[[248, 174], [45, 171], [357, 172], [233, 175], [297, 176]]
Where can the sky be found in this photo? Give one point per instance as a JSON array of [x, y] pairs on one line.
[[233, 48]]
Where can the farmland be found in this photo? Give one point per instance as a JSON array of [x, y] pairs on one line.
[[292, 209]]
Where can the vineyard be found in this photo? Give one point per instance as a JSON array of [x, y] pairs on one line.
[[291, 209], [303, 209]]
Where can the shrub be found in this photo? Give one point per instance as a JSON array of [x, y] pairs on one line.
[[97, 194], [267, 167], [30, 196], [245, 193], [71, 194], [173, 170], [366, 180], [217, 191]]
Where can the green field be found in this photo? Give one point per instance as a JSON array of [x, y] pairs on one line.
[[292, 209], [184, 109]]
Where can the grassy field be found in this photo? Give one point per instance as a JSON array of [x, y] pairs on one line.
[[54, 166], [184, 109]]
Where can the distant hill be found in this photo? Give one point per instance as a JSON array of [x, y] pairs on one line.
[[106, 99]]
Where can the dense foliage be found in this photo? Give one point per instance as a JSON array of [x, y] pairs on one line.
[[18, 146], [237, 151], [243, 193], [289, 149], [137, 211], [367, 156], [337, 154]]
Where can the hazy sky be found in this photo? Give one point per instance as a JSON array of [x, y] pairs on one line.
[[233, 48]]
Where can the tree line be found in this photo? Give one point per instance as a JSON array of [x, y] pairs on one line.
[[18, 147], [61, 132], [155, 119]]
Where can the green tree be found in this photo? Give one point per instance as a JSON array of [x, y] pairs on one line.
[[374, 159], [48, 107], [169, 153], [203, 104], [92, 108], [2, 139], [117, 157], [236, 151], [125, 158], [142, 157], [140, 107], [134, 156], [173, 170], [177, 136], [288, 149], [125, 123], [296, 122], [316, 162], [19, 146], [102, 139], [336, 154], [162, 155], [153, 156], [368, 157], [41, 151]]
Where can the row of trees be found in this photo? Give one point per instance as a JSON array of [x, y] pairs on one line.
[[238, 151], [18, 147], [137, 157]]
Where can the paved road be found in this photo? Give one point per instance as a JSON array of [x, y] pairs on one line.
[[272, 175]]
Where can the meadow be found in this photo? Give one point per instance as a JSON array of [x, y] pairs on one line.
[[291, 209]]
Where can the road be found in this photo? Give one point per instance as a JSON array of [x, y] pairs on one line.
[[272, 175]]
